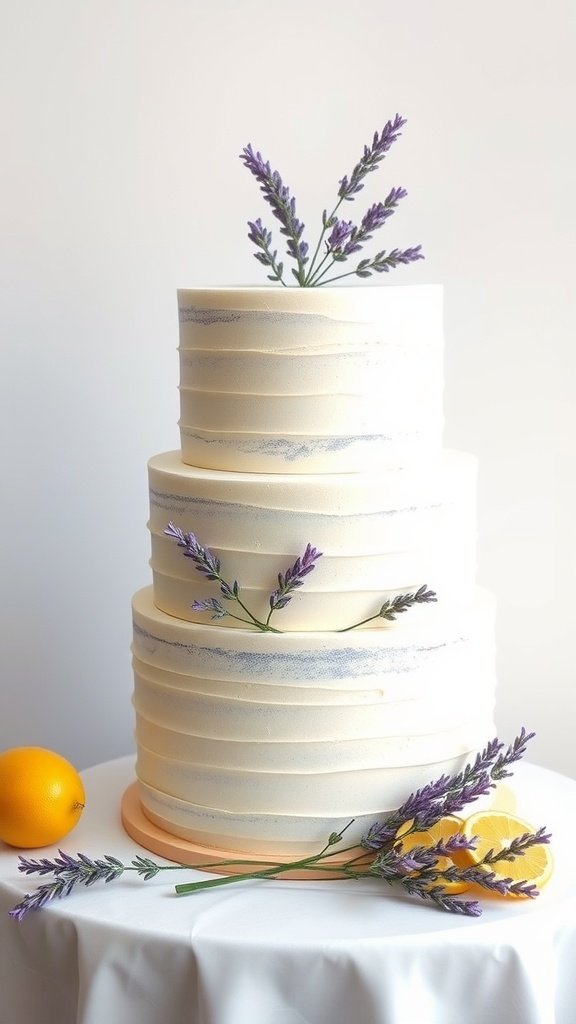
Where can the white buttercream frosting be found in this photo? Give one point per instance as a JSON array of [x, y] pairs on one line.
[[327, 725], [309, 416], [310, 380]]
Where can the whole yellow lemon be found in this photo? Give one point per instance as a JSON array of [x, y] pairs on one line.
[[41, 797]]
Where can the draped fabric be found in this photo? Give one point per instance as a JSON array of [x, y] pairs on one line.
[[284, 952]]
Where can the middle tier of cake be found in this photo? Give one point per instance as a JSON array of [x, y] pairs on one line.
[[381, 534]]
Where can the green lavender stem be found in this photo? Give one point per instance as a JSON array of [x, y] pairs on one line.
[[358, 624], [349, 273], [276, 869], [312, 272], [264, 627]]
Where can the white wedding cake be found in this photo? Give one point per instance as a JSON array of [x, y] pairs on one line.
[[308, 416]]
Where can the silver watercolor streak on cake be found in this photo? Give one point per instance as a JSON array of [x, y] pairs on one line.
[[292, 449], [179, 502], [337, 663], [253, 317]]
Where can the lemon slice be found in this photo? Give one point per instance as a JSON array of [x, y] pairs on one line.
[[495, 830], [443, 829]]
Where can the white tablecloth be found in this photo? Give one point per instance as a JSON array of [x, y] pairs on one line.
[[285, 952]]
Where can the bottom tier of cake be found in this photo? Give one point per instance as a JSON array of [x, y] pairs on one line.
[[266, 743]]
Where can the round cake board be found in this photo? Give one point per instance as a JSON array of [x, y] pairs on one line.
[[209, 858]]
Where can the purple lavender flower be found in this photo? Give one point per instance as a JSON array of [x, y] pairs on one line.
[[211, 604], [402, 602], [339, 235], [420, 886], [69, 871], [396, 861], [454, 844], [514, 753], [205, 561], [518, 846], [417, 872], [379, 213], [489, 880], [448, 795], [344, 237], [395, 606], [283, 206], [372, 156], [293, 577], [262, 239], [393, 198], [373, 219], [422, 872], [381, 263]]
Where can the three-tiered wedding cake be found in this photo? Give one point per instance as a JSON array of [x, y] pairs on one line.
[[308, 416]]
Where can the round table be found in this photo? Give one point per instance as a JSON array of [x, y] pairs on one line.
[[284, 952]]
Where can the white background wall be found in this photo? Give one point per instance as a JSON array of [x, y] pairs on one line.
[[119, 181]]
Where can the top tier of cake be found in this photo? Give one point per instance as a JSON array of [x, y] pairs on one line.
[[318, 380]]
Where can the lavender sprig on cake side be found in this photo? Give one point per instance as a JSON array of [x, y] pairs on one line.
[[344, 237], [424, 870], [203, 559], [397, 605], [293, 578], [209, 565]]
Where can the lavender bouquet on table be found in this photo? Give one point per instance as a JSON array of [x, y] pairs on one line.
[[385, 852], [339, 238]]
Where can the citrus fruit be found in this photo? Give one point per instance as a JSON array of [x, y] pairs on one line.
[[443, 829], [504, 799], [495, 830], [41, 797]]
